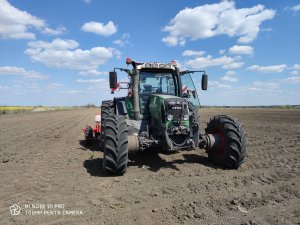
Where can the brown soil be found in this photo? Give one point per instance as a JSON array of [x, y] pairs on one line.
[[43, 160]]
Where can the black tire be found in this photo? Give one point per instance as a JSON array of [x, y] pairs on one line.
[[88, 136], [115, 155], [107, 109], [232, 150]]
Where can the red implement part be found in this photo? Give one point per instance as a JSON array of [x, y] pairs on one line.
[[96, 129]]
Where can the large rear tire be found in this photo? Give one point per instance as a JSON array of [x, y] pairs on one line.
[[115, 155], [231, 150]]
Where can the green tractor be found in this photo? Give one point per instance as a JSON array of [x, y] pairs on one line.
[[162, 110]]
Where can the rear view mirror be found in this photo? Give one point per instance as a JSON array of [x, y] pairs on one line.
[[113, 80], [204, 82]]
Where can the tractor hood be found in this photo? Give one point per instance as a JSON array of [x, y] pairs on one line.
[[168, 109]]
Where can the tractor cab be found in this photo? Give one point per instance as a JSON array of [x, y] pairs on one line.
[[147, 79]]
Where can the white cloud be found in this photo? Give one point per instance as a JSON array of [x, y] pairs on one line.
[[91, 81], [265, 85], [100, 28], [229, 79], [296, 67], [295, 70], [72, 92], [241, 50], [230, 73], [87, 1], [123, 41], [293, 80], [18, 24], [216, 19], [193, 53], [173, 41], [222, 51], [93, 73], [19, 71], [217, 84], [57, 44], [58, 31], [225, 62], [295, 8], [54, 86], [66, 54], [268, 69], [15, 24]]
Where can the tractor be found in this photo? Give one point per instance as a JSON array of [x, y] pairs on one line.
[[161, 110]]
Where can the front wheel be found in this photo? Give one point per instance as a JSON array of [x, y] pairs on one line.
[[230, 152], [115, 154]]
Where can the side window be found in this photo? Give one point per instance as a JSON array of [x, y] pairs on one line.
[[189, 91]]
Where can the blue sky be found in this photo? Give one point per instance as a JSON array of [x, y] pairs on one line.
[[59, 52]]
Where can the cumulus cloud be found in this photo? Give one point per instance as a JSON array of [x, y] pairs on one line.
[[229, 79], [100, 28], [193, 53], [19, 71], [66, 54], [216, 19], [293, 80], [268, 69], [58, 31], [123, 41], [208, 61], [241, 50], [265, 85], [230, 73], [91, 81], [222, 51], [93, 73], [295, 8], [295, 69], [87, 1], [18, 24], [218, 84]]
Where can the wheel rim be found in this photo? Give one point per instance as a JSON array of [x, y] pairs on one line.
[[219, 152]]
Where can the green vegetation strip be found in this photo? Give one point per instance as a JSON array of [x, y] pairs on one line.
[[17, 109]]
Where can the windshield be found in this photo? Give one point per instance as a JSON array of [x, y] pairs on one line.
[[155, 82], [189, 91]]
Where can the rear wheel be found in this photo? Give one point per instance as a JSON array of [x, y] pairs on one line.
[[115, 155], [231, 150]]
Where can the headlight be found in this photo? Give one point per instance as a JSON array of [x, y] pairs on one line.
[[185, 117], [169, 117]]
